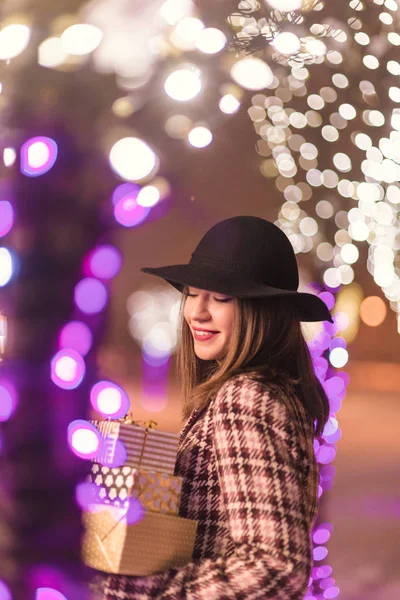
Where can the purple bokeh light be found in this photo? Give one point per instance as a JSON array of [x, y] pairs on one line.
[[86, 494], [323, 571], [129, 213], [105, 262], [334, 437], [49, 594], [125, 190], [325, 583], [38, 155], [325, 454], [113, 453], [76, 335], [84, 439], [109, 399], [330, 426], [337, 342], [321, 535], [67, 369], [8, 400], [335, 404], [320, 552], [331, 592], [334, 386], [6, 217], [90, 295], [328, 298], [135, 511], [5, 593]]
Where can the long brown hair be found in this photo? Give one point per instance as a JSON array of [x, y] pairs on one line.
[[268, 344]]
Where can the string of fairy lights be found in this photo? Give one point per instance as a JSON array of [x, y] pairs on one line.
[[326, 145]]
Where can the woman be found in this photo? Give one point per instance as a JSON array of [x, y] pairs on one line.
[[252, 405]]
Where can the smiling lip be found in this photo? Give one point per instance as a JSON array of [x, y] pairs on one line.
[[204, 338]]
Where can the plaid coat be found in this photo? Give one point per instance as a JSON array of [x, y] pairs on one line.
[[250, 478]]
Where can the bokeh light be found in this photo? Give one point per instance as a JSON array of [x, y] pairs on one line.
[[81, 39], [109, 399], [5, 592], [6, 217], [13, 40], [228, 104], [129, 213], [252, 73], [90, 295], [6, 266], [148, 196], [8, 400], [38, 156], [135, 511], [200, 137], [186, 33], [105, 262], [113, 453], [286, 5], [84, 439], [86, 494], [210, 40], [51, 53], [183, 84], [132, 159], [286, 42], [67, 369], [9, 156], [373, 311], [76, 335]]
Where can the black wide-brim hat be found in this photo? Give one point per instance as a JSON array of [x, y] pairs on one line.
[[245, 257]]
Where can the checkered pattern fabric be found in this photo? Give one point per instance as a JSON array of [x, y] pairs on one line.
[[250, 478]]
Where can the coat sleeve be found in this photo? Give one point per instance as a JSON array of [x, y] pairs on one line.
[[261, 478]]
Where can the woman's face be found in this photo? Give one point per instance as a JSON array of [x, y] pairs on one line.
[[212, 312]]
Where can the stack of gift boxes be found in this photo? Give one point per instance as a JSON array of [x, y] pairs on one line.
[[132, 527]]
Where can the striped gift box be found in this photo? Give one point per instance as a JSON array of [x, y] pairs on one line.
[[148, 449]]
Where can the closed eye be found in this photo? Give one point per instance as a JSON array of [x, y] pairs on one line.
[[216, 299]]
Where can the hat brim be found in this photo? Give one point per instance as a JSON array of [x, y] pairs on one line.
[[310, 307]]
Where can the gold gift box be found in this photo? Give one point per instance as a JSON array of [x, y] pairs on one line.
[[158, 492], [157, 543]]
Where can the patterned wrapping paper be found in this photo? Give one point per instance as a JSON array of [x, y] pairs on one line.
[[158, 492], [149, 449], [155, 544]]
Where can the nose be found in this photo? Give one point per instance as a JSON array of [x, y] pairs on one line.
[[199, 310]]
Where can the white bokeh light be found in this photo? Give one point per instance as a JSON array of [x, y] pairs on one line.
[[148, 196], [186, 32], [51, 53], [286, 43], [81, 39], [85, 441], [338, 357], [228, 104], [200, 137], [9, 156], [286, 5], [109, 400], [66, 368], [133, 159], [211, 40], [183, 84], [6, 266], [13, 40], [252, 73]]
